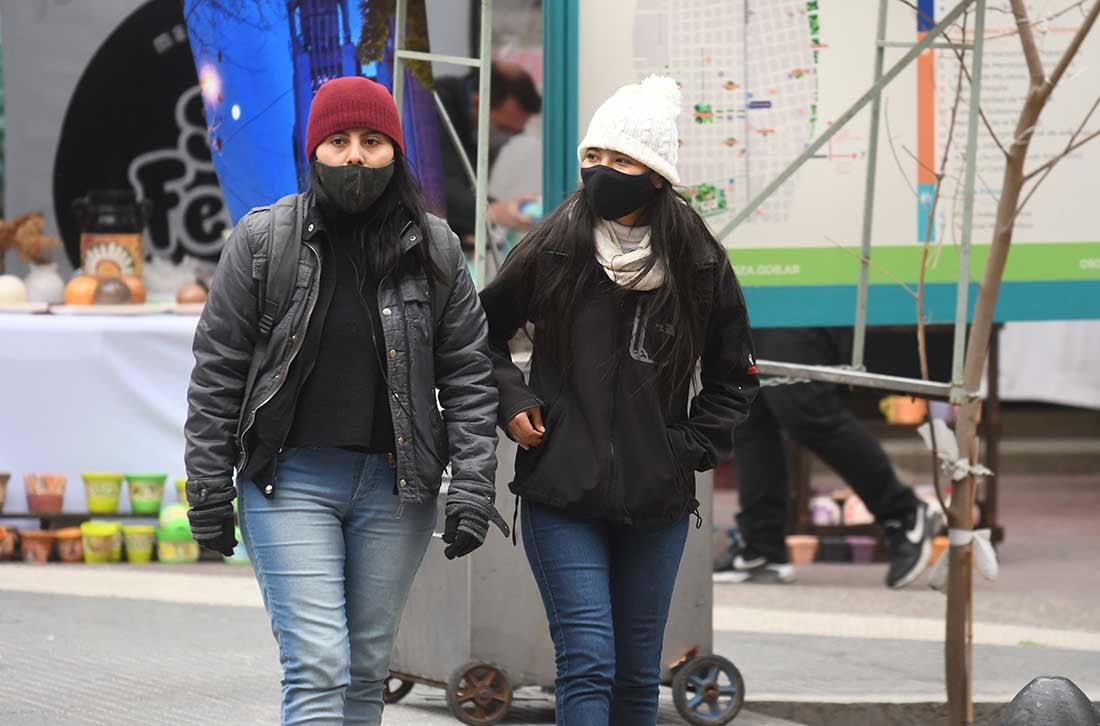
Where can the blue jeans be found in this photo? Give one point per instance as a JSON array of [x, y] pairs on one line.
[[335, 566], [607, 590]]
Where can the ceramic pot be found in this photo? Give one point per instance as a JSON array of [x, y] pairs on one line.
[[45, 493], [44, 285], [9, 543], [70, 544], [802, 548], [38, 545], [4, 477]]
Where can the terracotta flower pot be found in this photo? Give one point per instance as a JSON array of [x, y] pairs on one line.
[[37, 545], [70, 544], [9, 543], [45, 493], [802, 548], [4, 478]]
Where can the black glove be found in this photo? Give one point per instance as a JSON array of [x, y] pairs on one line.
[[212, 527], [467, 523], [461, 542]]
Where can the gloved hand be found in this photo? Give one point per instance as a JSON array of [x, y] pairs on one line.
[[461, 542], [467, 523], [212, 527]]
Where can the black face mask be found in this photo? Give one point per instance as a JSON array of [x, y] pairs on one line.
[[351, 189], [613, 194]]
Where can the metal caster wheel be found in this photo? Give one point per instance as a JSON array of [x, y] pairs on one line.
[[708, 691], [395, 689], [479, 694]]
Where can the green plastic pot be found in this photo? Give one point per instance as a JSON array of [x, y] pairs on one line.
[[102, 490], [146, 492], [139, 543], [102, 542]]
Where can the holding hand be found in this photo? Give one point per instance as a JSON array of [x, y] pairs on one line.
[[527, 429]]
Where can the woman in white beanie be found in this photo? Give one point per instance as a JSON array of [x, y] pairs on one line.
[[628, 291]]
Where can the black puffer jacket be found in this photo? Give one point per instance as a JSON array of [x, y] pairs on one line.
[[435, 338], [612, 447]]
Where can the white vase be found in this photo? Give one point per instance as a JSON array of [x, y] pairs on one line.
[[44, 285]]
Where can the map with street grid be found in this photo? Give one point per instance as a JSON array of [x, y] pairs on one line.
[[748, 75]]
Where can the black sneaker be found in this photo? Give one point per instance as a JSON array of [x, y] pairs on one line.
[[740, 563], [770, 573], [910, 543]]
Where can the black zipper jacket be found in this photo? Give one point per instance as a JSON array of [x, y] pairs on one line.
[[612, 447]]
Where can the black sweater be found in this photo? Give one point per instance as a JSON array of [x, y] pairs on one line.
[[612, 446], [342, 401]]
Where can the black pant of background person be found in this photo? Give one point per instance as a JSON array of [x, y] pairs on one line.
[[817, 417]]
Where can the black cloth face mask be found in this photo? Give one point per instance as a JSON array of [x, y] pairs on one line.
[[351, 188], [613, 194]]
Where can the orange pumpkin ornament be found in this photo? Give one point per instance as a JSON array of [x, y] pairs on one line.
[[137, 288], [81, 290]]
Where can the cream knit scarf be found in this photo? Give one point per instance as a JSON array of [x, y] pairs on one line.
[[623, 267]]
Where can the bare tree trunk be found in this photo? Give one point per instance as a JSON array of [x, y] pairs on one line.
[[958, 647]]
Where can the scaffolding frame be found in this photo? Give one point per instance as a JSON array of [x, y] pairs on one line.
[[480, 175], [856, 375]]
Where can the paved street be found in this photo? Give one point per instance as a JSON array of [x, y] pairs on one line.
[[163, 644]]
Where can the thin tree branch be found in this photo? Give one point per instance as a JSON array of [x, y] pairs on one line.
[[1066, 152], [1027, 43], [872, 263], [1047, 168], [1039, 23], [1073, 47], [893, 148]]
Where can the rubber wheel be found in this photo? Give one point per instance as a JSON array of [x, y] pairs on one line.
[[395, 689], [708, 690], [479, 693]]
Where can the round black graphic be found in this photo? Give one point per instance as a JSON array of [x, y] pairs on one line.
[[135, 123]]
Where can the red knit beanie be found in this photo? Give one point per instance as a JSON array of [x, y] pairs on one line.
[[352, 102]]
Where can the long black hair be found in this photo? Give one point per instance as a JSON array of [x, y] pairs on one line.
[[680, 241], [379, 229]]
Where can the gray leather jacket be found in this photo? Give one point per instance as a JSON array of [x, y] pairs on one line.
[[447, 352]]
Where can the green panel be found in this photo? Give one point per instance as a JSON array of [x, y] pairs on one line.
[[786, 266], [559, 107]]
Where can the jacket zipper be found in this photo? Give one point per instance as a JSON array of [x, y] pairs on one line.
[[290, 360]]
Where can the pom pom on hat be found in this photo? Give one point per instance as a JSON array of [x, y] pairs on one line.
[[639, 120], [664, 87]]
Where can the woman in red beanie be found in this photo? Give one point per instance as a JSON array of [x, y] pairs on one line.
[[328, 412]]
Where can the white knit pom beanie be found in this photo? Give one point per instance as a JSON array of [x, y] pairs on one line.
[[639, 120]]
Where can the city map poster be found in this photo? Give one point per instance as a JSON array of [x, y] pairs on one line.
[[761, 79]]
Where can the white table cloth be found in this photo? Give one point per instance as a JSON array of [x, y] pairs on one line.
[[92, 394], [109, 393]]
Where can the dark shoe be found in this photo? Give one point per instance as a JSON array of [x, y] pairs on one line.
[[910, 544], [770, 573], [740, 563], [738, 557]]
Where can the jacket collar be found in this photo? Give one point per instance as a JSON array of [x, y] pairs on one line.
[[314, 224]]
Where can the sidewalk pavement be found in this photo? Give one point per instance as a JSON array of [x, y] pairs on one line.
[[166, 644], [191, 645]]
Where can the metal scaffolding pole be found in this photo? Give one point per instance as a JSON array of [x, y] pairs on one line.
[[962, 296], [954, 390], [482, 63]]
